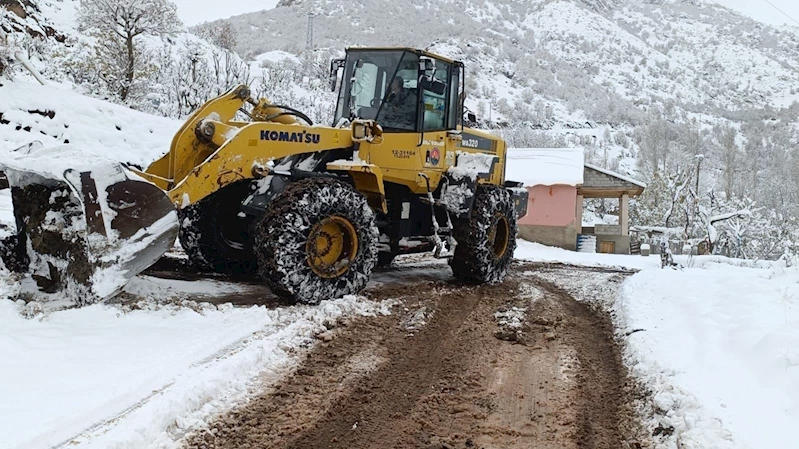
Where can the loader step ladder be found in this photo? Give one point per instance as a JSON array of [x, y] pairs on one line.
[[439, 252]]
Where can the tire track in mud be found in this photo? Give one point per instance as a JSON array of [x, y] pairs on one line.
[[440, 373], [253, 291]]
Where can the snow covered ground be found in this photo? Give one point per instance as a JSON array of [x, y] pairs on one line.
[[111, 376], [720, 348], [537, 252], [717, 344]]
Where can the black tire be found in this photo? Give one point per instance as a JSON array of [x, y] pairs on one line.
[[215, 237], [486, 238], [285, 254]]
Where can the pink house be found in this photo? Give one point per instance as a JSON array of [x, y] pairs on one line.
[[558, 179], [551, 176]]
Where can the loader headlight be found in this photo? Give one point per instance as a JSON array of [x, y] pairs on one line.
[[358, 131]]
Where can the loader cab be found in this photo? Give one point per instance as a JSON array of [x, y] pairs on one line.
[[404, 90]]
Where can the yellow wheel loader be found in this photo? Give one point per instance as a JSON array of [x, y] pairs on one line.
[[251, 187]]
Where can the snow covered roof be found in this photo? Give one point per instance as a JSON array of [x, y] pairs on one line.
[[545, 166], [615, 175]]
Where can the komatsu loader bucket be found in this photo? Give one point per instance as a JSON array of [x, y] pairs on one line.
[[85, 224]]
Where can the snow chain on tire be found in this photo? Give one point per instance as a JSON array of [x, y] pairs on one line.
[[12, 256], [486, 238], [283, 240], [202, 233]]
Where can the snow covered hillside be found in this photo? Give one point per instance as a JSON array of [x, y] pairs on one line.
[[696, 56]]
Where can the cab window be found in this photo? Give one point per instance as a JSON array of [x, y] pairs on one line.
[[398, 109], [434, 105]]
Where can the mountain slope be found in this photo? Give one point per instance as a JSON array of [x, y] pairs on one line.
[[582, 55]]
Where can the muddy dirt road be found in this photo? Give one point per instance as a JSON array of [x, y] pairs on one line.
[[518, 365]]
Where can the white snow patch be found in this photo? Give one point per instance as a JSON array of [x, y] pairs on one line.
[[719, 348], [537, 252], [615, 175], [104, 376], [471, 165], [154, 287], [106, 129], [276, 56], [6, 211], [457, 197], [512, 318]]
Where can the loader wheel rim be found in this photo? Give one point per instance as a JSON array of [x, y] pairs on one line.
[[499, 237], [332, 245]]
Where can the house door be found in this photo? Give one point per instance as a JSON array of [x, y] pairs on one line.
[[607, 247]]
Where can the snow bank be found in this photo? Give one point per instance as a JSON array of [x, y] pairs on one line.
[[57, 116], [52, 161], [536, 252], [6, 210], [276, 56], [720, 349], [104, 376], [545, 166], [471, 165], [154, 287]]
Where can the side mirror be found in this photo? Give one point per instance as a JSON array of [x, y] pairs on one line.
[[335, 65], [433, 85]]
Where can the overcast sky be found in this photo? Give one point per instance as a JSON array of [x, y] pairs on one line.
[[192, 12], [762, 11]]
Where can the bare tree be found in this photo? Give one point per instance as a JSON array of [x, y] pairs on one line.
[[729, 155], [118, 23], [220, 34], [654, 142]]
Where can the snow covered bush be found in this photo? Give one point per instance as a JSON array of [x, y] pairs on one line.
[[5, 52]]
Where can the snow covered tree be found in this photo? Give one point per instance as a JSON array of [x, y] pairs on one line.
[[220, 34], [5, 48], [653, 138], [730, 153], [118, 26]]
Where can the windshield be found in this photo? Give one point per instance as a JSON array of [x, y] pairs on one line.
[[380, 85]]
